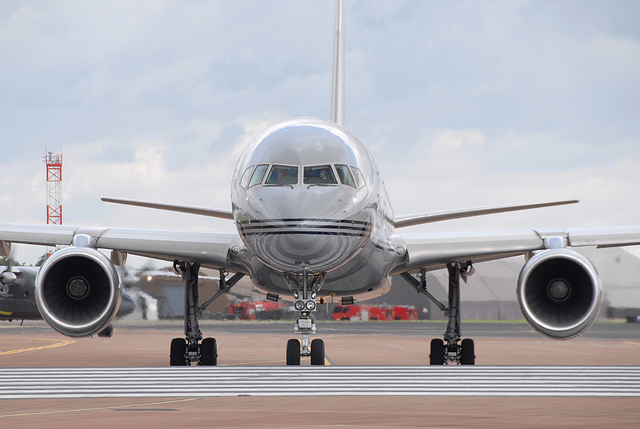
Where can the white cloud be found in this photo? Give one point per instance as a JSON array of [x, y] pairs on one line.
[[456, 143], [462, 104]]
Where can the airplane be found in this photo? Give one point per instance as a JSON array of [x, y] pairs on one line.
[[17, 293], [313, 216]]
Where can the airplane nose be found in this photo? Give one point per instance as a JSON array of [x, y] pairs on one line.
[[303, 225], [298, 203]]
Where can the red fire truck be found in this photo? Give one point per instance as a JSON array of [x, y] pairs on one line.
[[260, 310], [372, 312]]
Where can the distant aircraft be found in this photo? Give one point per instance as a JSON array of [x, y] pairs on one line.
[[17, 293], [312, 215]]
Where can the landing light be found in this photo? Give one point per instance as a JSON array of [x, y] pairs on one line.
[[311, 305], [299, 305]]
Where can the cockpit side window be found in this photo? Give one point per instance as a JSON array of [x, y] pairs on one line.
[[282, 175], [245, 177], [319, 175], [358, 176], [345, 175], [258, 175]]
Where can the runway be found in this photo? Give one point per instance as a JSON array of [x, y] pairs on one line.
[[379, 377], [68, 383]]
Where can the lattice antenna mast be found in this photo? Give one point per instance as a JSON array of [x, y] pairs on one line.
[[54, 189]]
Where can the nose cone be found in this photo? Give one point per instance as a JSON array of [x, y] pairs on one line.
[[304, 202], [315, 226]]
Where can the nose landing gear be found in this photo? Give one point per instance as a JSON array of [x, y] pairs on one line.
[[305, 286]]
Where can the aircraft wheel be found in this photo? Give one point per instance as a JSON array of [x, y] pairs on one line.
[[293, 352], [178, 350], [467, 355], [106, 332], [208, 352], [317, 352], [437, 352]]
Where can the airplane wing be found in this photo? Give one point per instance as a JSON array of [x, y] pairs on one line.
[[434, 251], [207, 248]]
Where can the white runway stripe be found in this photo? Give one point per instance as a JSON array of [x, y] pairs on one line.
[[44, 383]]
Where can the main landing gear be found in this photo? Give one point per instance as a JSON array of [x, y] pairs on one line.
[[193, 348], [305, 286], [450, 349]]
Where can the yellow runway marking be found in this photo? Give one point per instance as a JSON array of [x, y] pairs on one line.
[[30, 349], [633, 343], [114, 407]]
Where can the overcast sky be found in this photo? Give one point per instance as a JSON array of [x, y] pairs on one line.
[[463, 104]]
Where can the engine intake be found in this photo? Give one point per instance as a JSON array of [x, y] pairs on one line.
[[559, 292], [78, 291]]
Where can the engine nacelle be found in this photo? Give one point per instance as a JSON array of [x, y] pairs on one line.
[[78, 291], [559, 292]]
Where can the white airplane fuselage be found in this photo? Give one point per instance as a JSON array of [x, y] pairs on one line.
[[306, 194]]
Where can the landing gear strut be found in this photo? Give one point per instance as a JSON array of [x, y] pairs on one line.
[[193, 348], [450, 349], [305, 286]]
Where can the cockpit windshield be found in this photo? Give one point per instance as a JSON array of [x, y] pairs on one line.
[[319, 175], [282, 175], [279, 174]]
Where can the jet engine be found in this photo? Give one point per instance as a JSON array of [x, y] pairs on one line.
[[559, 292], [78, 291]]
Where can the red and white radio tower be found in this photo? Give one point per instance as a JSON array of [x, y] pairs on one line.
[[54, 188]]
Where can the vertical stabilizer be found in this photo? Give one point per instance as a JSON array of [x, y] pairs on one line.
[[337, 96]]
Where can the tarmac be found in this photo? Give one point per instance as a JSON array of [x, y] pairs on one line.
[[146, 344]]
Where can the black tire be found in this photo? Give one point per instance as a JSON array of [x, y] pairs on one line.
[[317, 352], [467, 352], [209, 352], [437, 352], [178, 350], [106, 332], [293, 352]]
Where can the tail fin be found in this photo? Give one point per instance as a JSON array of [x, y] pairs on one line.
[[337, 97]]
